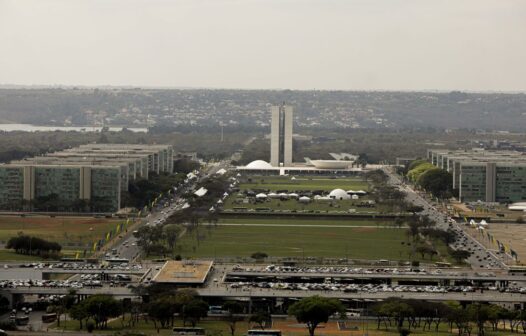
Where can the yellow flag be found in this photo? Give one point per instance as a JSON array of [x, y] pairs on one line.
[[118, 228], [94, 246], [108, 237], [77, 255]]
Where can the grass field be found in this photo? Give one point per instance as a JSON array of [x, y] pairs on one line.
[[289, 327], [70, 232], [9, 255], [307, 183], [351, 242], [307, 221]]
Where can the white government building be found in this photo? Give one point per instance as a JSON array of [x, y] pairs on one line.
[[281, 155]]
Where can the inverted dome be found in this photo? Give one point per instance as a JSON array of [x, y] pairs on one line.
[[259, 164], [339, 194]]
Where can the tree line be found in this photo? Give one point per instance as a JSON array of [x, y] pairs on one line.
[[29, 245], [407, 315]]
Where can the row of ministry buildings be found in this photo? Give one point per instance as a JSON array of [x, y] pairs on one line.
[[484, 175], [89, 177]]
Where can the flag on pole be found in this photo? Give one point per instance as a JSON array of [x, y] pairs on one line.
[[94, 246], [118, 228], [77, 255], [108, 237]]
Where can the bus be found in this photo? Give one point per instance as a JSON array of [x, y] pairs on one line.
[[442, 264], [259, 332], [48, 318], [22, 320], [215, 310], [188, 331]]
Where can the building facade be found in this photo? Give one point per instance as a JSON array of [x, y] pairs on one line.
[[480, 175], [87, 177], [281, 127]]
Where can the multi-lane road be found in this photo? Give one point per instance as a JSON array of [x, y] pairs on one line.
[[127, 248], [481, 258]]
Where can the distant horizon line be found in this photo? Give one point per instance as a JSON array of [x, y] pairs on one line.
[[160, 87]]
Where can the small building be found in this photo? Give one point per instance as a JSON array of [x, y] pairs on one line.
[[191, 273]]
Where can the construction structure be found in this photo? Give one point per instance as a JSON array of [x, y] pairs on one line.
[[90, 177], [484, 175], [281, 135]]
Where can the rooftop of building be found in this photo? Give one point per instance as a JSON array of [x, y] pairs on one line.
[[184, 272]]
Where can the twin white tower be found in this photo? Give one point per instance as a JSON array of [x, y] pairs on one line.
[[281, 135]]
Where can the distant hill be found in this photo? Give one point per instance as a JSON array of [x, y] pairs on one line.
[[249, 108]]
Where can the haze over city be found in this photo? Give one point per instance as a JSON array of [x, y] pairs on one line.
[[263, 167], [286, 44]]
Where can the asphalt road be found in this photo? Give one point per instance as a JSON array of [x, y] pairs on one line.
[[481, 257], [127, 246]]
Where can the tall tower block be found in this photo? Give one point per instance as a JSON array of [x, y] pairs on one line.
[[275, 135], [287, 135], [281, 135]]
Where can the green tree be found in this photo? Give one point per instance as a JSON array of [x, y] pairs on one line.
[[234, 309], [436, 181], [260, 318], [459, 255], [259, 255], [100, 308], [78, 312], [162, 310], [315, 310], [171, 234], [194, 311]]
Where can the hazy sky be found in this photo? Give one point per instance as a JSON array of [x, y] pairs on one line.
[[307, 44]]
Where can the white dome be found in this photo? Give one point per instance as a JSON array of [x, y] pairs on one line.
[[304, 199], [261, 195], [259, 164], [339, 194]]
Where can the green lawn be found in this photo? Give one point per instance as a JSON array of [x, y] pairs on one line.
[[307, 221], [289, 327], [304, 183], [70, 232], [9, 255], [242, 241]]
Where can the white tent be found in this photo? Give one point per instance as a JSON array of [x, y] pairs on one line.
[[304, 199], [273, 195], [483, 223], [339, 194], [360, 192], [219, 202], [283, 195], [221, 171], [201, 192], [355, 197], [294, 195], [292, 178], [261, 196]]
